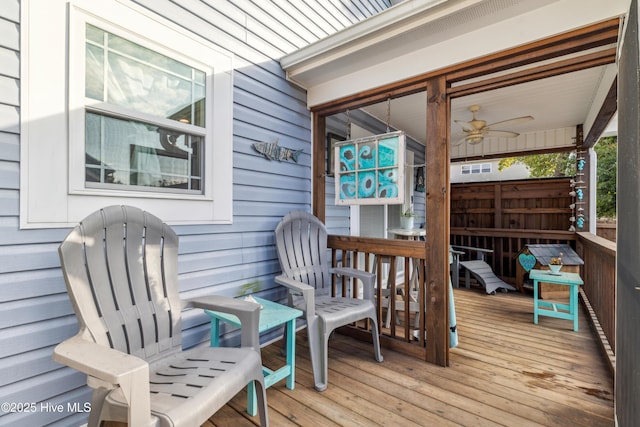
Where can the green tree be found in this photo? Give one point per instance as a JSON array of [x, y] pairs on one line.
[[607, 150], [544, 165]]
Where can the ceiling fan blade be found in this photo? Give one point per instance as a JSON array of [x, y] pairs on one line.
[[514, 121], [500, 133], [459, 142]]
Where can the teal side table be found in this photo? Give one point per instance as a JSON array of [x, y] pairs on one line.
[[271, 316], [550, 309]]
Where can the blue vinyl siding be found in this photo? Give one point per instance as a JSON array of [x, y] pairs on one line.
[[35, 313]]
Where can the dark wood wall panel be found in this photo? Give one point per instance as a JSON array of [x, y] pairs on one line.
[[542, 204]]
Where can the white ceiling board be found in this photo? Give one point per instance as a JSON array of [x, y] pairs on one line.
[[555, 103]]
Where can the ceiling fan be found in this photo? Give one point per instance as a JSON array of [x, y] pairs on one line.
[[477, 129]]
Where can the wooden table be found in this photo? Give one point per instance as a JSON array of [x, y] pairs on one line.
[[547, 308], [271, 315]]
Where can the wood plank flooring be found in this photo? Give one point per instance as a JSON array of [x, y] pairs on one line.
[[506, 371]]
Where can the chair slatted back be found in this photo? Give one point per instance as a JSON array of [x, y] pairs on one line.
[[121, 270], [301, 240]]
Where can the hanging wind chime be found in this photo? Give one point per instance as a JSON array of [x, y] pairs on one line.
[[578, 187]]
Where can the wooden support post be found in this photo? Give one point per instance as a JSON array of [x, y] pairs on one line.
[[318, 168], [437, 223]]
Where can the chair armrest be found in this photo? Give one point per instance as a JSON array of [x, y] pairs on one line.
[[96, 360], [307, 292], [368, 279], [111, 368], [247, 312], [480, 251]]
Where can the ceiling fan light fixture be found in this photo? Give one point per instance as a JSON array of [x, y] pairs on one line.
[[474, 139], [477, 129]]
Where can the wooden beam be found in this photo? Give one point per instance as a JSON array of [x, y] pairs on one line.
[[593, 36], [318, 169], [485, 157], [608, 109], [602, 57], [437, 223]]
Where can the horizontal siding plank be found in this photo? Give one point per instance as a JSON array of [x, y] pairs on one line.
[[209, 260], [9, 34], [9, 175], [33, 336], [289, 28], [272, 209], [262, 24], [225, 280], [311, 30], [241, 32], [262, 81], [263, 238], [258, 254], [29, 284], [203, 261], [9, 118], [9, 63], [337, 11], [28, 257], [40, 389], [9, 147], [301, 196], [279, 127], [9, 203], [245, 55], [9, 90], [34, 310], [26, 365], [321, 25], [272, 87], [10, 10], [204, 243], [281, 177], [264, 106], [10, 233]]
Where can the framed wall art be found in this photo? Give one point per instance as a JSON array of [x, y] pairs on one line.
[[370, 170]]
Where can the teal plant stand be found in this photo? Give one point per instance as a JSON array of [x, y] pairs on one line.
[[271, 316], [552, 309]]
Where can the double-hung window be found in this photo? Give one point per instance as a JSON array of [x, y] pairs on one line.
[[144, 117], [147, 120]]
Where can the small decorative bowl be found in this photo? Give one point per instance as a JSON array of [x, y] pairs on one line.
[[555, 268]]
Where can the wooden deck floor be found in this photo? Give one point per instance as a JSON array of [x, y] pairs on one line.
[[506, 371]]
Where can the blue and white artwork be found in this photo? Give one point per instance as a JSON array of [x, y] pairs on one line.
[[369, 170]]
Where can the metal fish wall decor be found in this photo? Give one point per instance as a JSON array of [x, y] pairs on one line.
[[272, 151]]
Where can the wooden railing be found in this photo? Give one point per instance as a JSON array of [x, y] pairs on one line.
[[369, 254], [607, 230], [599, 275], [598, 271], [506, 244]]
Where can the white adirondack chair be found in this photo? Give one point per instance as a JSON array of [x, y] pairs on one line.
[[121, 271]]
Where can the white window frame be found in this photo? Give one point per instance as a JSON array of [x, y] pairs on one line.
[[399, 166], [52, 188], [476, 168]]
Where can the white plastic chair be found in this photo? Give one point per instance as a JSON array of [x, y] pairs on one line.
[[301, 240], [121, 270]]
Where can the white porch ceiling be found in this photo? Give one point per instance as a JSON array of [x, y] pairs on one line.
[[555, 103], [421, 36]]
